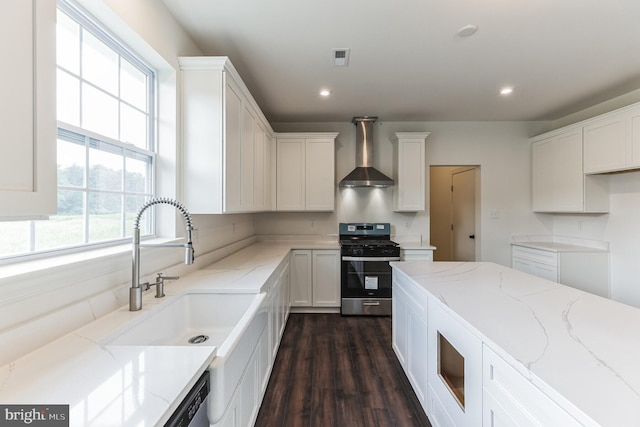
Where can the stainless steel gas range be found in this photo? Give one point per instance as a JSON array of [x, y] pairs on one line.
[[366, 250]]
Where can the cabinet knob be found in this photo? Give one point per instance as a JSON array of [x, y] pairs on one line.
[[472, 236]]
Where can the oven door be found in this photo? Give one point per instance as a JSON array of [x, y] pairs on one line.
[[366, 276]]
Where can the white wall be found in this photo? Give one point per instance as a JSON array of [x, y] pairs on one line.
[[501, 149], [621, 228]]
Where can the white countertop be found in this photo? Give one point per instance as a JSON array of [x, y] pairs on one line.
[[416, 246], [578, 348], [554, 243], [135, 386], [558, 247]]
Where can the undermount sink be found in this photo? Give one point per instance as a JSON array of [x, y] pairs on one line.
[[202, 319]]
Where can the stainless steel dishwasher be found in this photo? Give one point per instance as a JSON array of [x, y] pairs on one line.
[[192, 411]]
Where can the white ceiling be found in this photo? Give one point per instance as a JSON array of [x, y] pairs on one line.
[[408, 64]]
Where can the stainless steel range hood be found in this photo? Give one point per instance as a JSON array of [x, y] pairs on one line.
[[365, 175]]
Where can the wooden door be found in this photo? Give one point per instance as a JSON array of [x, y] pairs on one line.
[[463, 208]]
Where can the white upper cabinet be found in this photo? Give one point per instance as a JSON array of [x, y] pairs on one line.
[[409, 165], [558, 180], [305, 169], [226, 140], [28, 109], [612, 141], [262, 169]]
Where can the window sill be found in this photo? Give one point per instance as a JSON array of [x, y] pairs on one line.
[[40, 266]]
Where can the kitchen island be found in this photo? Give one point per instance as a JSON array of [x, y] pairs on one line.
[[535, 352]]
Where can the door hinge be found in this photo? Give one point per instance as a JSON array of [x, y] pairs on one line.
[[452, 188], [451, 227]]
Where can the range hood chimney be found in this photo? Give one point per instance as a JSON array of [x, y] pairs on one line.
[[365, 175]]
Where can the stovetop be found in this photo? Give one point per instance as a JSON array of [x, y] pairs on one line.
[[365, 243], [367, 239]]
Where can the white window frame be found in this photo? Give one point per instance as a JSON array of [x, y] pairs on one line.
[[88, 23]]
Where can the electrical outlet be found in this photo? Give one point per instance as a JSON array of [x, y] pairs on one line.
[[195, 235], [312, 222], [493, 214]]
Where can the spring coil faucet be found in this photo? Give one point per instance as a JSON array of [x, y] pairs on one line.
[[135, 292]]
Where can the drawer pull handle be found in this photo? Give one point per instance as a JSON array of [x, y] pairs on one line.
[[371, 303]]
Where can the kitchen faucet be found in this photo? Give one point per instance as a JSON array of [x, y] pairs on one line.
[[135, 292]]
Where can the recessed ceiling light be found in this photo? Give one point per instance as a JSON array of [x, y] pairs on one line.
[[506, 91], [325, 92], [467, 31]]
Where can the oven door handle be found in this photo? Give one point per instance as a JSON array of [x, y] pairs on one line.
[[371, 258]]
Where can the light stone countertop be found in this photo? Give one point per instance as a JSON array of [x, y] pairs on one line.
[[554, 243], [416, 246], [128, 385], [558, 247], [580, 349]]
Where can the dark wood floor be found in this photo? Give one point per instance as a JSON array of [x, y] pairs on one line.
[[341, 372]]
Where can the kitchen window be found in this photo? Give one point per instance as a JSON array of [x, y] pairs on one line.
[[106, 142]]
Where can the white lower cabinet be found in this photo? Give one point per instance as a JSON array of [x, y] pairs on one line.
[[240, 378], [315, 278], [409, 337], [279, 295], [454, 371], [511, 400], [581, 269], [458, 379], [416, 254]]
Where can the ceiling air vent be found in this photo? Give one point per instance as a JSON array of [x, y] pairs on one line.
[[340, 57]]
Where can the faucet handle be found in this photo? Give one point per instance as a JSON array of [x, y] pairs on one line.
[[161, 277], [160, 284]]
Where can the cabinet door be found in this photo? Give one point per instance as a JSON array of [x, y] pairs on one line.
[[557, 177], [542, 175], [319, 175], [260, 177], [417, 352], [247, 156], [633, 134], [605, 144], [233, 148], [568, 177], [268, 182], [399, 322], [326, 278], [290, 169], [28, 108], [300, 278], [409, 194]]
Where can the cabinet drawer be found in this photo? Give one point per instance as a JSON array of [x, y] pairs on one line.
[[510, 399], [416, 255], [535, 255]]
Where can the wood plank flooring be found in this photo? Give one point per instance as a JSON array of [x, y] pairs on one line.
[[334, 371]]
